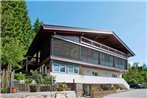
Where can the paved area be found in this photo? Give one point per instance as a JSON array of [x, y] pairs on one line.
[[135, 93], [61, 94]]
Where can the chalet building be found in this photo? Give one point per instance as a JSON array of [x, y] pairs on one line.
[[90, 59]]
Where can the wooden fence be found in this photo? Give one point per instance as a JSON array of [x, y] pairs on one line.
[[6, 80], [27, 87]]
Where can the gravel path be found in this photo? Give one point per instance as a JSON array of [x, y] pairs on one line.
[[135, 93]]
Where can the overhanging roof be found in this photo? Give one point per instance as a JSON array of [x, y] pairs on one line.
[[105, 37]]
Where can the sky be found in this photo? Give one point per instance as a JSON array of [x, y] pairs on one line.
[[126, 19]]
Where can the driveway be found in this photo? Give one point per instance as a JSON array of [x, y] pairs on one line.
[[135, 93]]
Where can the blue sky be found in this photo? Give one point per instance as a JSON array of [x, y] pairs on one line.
[[126, 19]]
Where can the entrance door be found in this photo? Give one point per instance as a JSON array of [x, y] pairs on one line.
[[86, 89]]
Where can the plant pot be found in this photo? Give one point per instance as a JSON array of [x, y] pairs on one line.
[[13, 89]]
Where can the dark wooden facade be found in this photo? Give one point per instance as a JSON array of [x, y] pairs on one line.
[[41, 44]]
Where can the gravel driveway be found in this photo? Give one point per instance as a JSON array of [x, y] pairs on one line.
[[135, 93]]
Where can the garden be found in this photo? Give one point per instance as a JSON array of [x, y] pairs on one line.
[[29, 82]]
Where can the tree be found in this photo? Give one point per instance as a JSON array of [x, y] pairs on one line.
[[145, 66], [12, 54], [36, 25], [136, 74], [17, 33], [136, 64]]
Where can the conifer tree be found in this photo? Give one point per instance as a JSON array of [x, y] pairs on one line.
[[36, 25], [17, 33]]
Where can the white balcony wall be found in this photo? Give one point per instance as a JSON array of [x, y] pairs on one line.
[[103, 73], [69, 78]]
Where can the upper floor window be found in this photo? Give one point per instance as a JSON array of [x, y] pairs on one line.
[[89, 55], [68, 50], [65, 49], [120, 63], [71, 38], [106, 59]]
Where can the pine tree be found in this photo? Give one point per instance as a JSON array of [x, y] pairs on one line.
[[36, 25], [17, 33]]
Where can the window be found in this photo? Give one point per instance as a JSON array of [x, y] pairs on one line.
[[89, 55], [73, 69], [70, 69], [65, 49], [62, 68], [72, 38], [76, 70], [56, 67], [106, 59], [120, 63], [59, 68]]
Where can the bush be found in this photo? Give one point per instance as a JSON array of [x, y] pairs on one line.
[[5, 90], [19, 76], [39, 78], [63, 85]]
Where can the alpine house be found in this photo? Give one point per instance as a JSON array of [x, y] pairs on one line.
[[87, 58]]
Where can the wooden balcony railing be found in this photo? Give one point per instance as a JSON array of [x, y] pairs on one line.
[[101, 46], [33, 60]]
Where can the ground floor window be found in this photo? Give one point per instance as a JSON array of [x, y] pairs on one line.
[[56, 67], [70, 69], [63, 67], [59, 68], [76, 69]]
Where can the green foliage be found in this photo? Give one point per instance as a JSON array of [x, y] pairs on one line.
[[48, 79], [28, 79], [63, 85], [40, 78], [20, 76], [17, 33], [12, 53], [5, 90], [36, 25], [136, 74]]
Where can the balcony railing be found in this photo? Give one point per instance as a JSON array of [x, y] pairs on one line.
[[33, 60], [101, 46]]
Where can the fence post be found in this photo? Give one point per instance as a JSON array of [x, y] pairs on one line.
[[11, 80]]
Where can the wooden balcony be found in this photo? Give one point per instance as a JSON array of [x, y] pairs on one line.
[[98, 45]]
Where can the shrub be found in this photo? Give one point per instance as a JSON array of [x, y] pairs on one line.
[[19, 76]]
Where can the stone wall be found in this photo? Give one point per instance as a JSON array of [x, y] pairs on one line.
[[79, 90], [62, 94]]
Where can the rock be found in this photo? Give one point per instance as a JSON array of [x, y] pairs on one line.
[[60, 96], [35, 96]]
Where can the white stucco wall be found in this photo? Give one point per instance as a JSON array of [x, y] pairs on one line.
[[70, 78], [104, 73]]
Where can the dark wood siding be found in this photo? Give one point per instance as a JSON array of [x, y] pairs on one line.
[[45, 49]]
